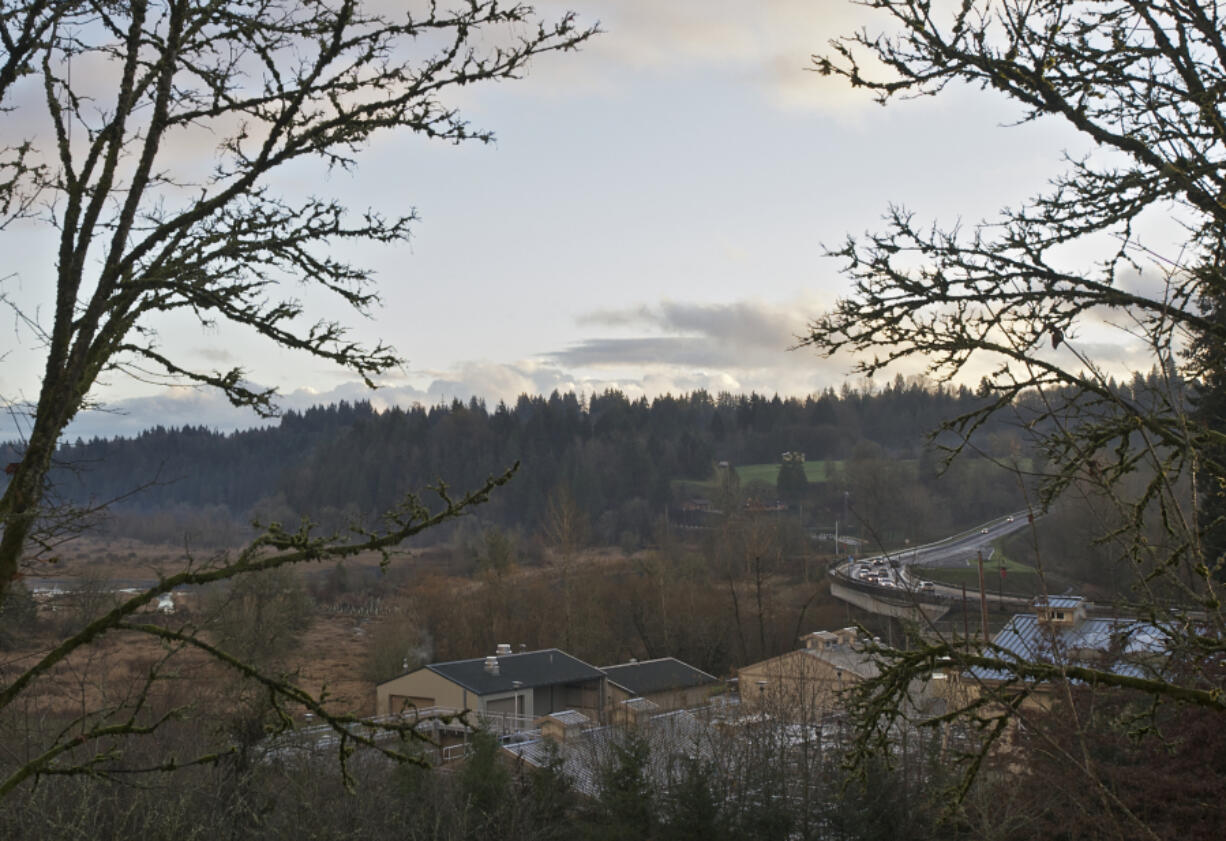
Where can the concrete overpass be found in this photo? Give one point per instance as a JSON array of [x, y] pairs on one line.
[[883, 585]]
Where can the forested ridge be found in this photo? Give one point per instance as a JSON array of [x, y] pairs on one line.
[[624, 461], [606, 449]]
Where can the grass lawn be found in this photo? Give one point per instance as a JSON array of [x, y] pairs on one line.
[[1019, 578], [815, 471]]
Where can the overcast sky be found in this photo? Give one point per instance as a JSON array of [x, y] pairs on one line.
[[651, 217]]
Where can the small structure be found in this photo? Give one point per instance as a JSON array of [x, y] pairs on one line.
[[1060, 611], [667, 682], [807, 682], [508, 686], [632, 712], [561, 727]]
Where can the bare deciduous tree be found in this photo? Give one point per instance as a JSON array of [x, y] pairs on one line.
[[1016, 296], [261, 85], [96, 155]]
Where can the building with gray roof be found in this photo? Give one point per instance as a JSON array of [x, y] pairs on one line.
[[523, 686], [666, 681]]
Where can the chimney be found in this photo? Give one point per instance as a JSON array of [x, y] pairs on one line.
[[504, 648], [491, 665]]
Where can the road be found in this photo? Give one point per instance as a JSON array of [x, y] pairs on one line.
[[888, 572]]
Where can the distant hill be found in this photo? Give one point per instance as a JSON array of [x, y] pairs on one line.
[[618, 458]]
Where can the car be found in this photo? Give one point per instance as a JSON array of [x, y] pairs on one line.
[[983, 531], [1009, 519]]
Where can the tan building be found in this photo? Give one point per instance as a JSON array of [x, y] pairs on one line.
[[806, 681], [521, 686], [666, 682]]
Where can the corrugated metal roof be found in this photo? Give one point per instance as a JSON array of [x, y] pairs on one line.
[[670, 735], [1126, 642], [517, 671], [660, 675], [1059, 601], [640, 704], [571, 718]]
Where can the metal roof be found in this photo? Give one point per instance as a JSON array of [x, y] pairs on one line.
[[670, 735], [660, 675], [548, 667], [1059, 601], [640, 705], [1126, 641], [570, 718]]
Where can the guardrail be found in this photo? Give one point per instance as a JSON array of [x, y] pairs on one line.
[[437, 717], [937, 544], [506, 726]]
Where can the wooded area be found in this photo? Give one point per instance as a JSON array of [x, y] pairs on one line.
[[624, 461]]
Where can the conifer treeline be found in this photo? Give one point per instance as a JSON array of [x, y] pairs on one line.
[[614, 455]]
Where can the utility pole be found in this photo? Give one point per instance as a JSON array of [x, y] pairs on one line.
[[983, 598], [966, 626]]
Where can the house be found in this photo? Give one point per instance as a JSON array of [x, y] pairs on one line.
[[524, 686], [1060, 632], [668, 683], [807, 681]]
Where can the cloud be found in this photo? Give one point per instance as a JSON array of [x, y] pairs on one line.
[[767, 45], [215, 355], [672, 347], [490, 381], [739, 335]]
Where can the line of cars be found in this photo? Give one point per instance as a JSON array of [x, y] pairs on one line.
[[887, 574]]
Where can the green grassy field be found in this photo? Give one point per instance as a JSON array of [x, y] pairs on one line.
[[815, 471], [1019, 578]]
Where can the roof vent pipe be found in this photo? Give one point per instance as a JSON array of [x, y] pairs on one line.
[[491, 665], [504, 648]]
